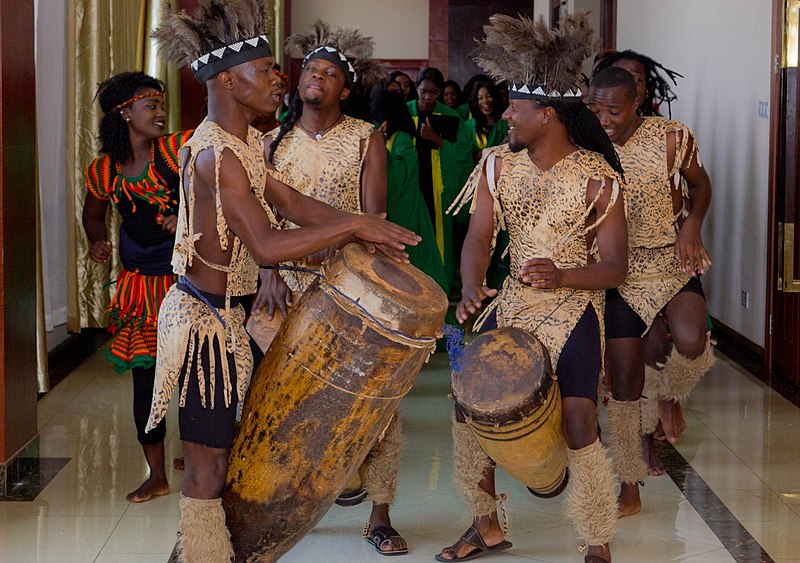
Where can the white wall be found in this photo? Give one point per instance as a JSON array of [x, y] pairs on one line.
[[51, 96], [400, 29], [722, 47]]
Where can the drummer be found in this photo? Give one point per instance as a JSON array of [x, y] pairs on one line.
[[317, 140], [558, 198], [225, 229]]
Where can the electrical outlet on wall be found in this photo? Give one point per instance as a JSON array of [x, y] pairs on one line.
[[745, 299], [763, 109]]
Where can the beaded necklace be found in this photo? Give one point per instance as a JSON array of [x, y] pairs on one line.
[[148, 186]]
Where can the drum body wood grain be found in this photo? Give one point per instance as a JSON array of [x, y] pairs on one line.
[[325, 391], [513, 406]]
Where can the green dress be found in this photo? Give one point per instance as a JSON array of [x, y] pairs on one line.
[[495, 137], [464, 112], [404, 206], [500, 266], [451, 166]]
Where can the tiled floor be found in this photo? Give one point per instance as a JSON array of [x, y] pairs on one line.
[[743, 441]]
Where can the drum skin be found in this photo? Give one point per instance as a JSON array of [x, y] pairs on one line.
[[327, 387], [513, 406]]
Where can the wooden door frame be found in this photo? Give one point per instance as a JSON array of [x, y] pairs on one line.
[[774, 136]]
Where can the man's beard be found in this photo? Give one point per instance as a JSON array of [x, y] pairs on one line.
[[516, 146]]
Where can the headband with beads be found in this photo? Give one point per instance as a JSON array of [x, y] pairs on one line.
[[126, 103]]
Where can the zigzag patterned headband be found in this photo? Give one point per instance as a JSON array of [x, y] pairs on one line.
[[209, 65], [334, 56], [521, 91]]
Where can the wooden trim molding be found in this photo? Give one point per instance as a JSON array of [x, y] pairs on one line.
[[438, 34]]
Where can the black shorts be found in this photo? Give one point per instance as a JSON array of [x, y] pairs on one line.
[[214, 428], [621, 321], [579, 364]]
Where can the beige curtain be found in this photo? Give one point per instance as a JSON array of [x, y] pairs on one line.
[[42, 376], [104, 37]]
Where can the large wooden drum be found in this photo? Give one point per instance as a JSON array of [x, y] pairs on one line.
[[346, 354], [512, 404]]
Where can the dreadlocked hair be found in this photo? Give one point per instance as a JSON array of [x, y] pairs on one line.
[[293, 114], [585, 130], [657, 88], [113, 137]]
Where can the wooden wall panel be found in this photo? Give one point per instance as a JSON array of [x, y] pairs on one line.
[[18, 220]]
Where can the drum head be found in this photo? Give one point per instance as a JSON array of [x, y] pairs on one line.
[[505, 376], [400, 296]]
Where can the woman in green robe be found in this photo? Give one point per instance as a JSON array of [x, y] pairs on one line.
[[487, 128], [444, 154], [404, 203]]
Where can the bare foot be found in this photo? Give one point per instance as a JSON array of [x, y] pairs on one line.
[[629, 501], [677, 417], [673, 427], [598, 554], [489, 529], [650, 455], [177, 463], [148, 490]]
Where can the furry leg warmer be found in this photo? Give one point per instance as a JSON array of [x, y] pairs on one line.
[[203, 535], [654, 389], [592, 500], [383, 462], [469, 461], [683, 374], [625, 441]]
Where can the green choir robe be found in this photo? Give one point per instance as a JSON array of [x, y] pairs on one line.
[[405, 206], [452, 165]]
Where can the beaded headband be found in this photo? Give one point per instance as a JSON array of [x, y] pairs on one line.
[[210, 64], [281, 75], [334, 56], [126, 103]]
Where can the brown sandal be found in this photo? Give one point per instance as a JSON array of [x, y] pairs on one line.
[[473, 537]]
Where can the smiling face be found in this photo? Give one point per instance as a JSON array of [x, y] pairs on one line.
[[146, 117], [428, 92], [486, 102], [615, 108], [322, 83], [450, 96], [526, 120]]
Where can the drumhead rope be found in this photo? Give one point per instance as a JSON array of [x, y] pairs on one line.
[[390, 333]]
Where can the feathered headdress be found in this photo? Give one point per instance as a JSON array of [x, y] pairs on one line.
[[537, 62], [221, 34], [342, 46]]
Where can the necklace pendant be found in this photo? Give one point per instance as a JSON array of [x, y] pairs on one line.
[[318, 136]]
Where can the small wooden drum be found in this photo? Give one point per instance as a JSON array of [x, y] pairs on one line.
[[512, 404], [329, 383]]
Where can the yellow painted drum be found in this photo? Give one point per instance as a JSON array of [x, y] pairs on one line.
[[512, 404], [329, 383]]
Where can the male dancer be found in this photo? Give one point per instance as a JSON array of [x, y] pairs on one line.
[[557, 198], [666, 256], [225, 229], [340, 160]]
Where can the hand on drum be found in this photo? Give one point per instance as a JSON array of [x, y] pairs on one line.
[[387, 237], [541, 273], [471, 301], [273, 293]]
